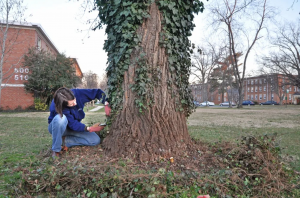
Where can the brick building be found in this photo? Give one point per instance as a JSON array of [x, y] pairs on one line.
[[20, 37], [274, 87], [261, 88]]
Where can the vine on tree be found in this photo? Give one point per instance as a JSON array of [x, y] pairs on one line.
[[122, 19]]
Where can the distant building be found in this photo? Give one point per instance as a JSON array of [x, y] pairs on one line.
[[20, 38], [276, 87]]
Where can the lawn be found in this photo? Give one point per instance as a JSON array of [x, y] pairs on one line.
[[24, 135], [214, 124]]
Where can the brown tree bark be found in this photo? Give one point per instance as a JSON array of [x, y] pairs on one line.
[[160, 131]]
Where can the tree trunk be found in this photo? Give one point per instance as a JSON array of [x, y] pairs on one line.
[[241, 95], [160, 131]]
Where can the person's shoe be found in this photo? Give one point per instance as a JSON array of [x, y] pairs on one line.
[[55, 155], [64, 147]]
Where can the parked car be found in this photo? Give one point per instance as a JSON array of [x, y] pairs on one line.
[[207, 103], [196, 103], [270, 102], [227, 104], [248, 102]]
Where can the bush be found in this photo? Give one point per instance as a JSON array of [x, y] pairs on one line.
[[39, 105]]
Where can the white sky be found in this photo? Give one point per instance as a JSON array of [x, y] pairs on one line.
[[61, 20]]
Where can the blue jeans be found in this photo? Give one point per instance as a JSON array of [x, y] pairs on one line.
[[58, 128]]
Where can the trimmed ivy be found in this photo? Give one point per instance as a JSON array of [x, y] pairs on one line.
[[122, 19]]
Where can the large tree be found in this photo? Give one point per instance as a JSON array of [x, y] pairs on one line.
[[230, 16], [285, 56], [148, 72], [48, 73], [11, 11]]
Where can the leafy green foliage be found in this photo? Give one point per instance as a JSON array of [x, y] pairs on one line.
[[48, 73], [122, 18], [177, 26], [39, 105]]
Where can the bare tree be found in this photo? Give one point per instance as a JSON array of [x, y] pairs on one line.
[[285, 58], [90, 80], [11, 12], [230, 16], [204, 60], [103, 82]]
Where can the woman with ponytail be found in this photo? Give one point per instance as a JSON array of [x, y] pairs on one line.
[[66, 113]]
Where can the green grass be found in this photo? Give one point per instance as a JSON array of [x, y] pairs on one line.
[[24, 135]]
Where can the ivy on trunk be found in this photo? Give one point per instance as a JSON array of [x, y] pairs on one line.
[[148, 71]]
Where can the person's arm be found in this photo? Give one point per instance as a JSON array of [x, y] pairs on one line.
[[74, 124], [87, 95]]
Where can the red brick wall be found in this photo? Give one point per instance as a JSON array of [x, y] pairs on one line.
[[14, 97]]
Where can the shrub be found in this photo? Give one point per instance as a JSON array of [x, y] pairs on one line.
[[39, 105]]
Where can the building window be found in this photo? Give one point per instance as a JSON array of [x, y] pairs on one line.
[[251, 89], [290, 96], [251, 97], [219, 98], [265, 96], [282, 88], [255, 88], [265, 80], [248, 97], [248, 89], [256, 81], [260, 97], [295, 88], [251, 82], [290, 88], [248, 82], [260, 81], [225, 94], [255, 96], [272, 96], [224, 99], [265, 88], [39, 43], [260, 88]]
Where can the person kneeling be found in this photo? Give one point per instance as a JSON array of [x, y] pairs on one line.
[[66, 113]]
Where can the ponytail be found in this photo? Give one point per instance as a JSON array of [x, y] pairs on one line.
[[61, 98]]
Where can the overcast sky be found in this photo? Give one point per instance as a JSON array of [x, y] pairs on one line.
[[62, 21]]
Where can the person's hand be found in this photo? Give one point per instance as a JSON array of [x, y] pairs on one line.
[[107, 109], [95, 128]]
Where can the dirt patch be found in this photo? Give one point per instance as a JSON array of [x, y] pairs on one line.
[[26, 115], [246, 118]]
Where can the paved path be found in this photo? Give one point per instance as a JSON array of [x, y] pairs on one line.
[[97, 108]]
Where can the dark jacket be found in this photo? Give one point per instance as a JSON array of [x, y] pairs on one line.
[[76, 114]]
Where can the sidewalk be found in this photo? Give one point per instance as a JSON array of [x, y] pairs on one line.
[[97, 108]]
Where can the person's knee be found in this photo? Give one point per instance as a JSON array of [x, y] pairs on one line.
[[61, 121], [95, 140]]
